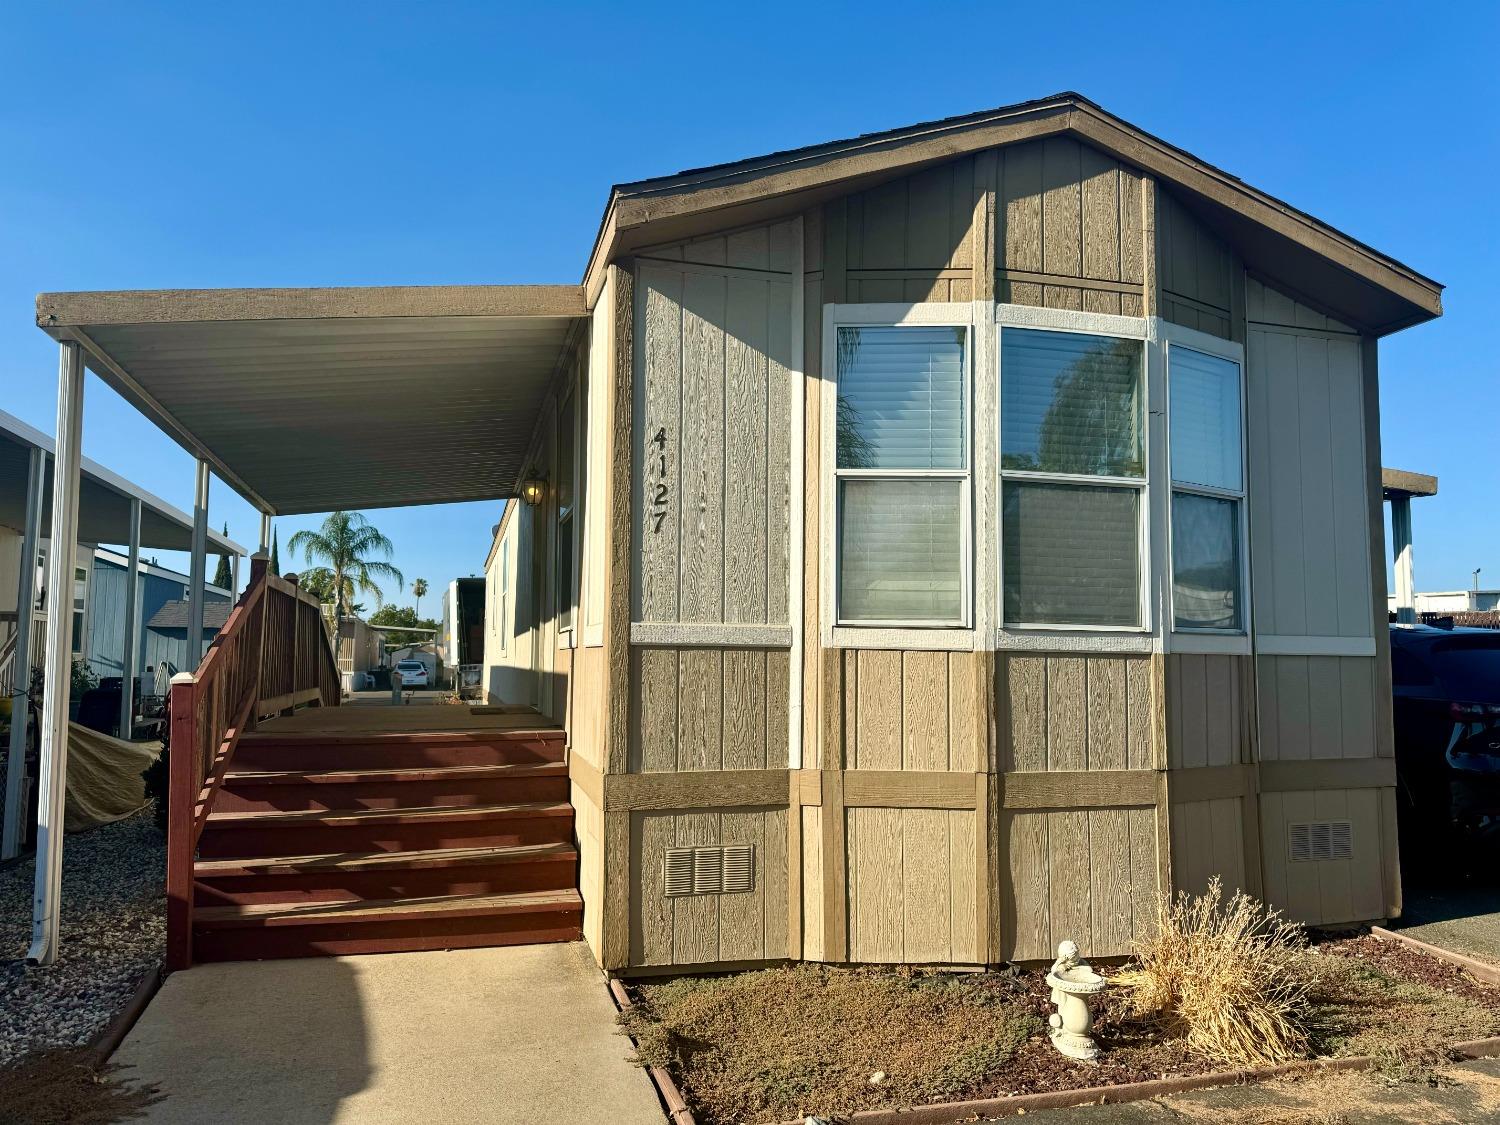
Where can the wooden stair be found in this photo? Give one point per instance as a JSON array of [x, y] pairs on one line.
[[372, 843]]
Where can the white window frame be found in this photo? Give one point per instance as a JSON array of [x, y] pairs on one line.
[[1229, 641], [946, 635], [1059, 635]]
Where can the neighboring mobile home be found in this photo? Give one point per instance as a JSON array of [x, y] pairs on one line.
[[935, 543]]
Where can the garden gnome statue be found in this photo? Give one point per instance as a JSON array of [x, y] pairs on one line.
[[1072, 983]]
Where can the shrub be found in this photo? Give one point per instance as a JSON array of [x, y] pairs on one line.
[[1225, 977], [157, 777]]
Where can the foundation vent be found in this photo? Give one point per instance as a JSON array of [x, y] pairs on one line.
[[1320, 840], [709, 871]]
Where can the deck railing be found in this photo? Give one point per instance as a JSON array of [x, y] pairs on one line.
[[272, 654]]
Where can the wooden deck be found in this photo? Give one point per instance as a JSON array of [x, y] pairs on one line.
[[370, 714]]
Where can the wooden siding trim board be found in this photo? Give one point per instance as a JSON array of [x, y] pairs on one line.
[[1077, 789], [1327, 773]]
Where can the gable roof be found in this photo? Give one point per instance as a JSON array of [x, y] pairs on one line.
[[1335, 271], [174, 615]]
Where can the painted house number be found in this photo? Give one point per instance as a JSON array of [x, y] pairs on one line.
[[659, 491]]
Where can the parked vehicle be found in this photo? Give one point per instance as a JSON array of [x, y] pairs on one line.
[[413, 673], [1446, 706]]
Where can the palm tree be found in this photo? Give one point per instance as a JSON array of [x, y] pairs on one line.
[[418, 588], [346, 542]]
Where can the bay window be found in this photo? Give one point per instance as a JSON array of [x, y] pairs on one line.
[[1073, 479], [1207, 459], [902, 469]]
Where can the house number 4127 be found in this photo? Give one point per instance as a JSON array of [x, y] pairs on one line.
[[659, 491]]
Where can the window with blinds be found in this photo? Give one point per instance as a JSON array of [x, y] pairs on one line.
[[1073, 477], [1207, 456], [902, 474]]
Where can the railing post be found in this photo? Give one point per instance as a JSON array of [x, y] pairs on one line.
[[260, 563], [296, 640], [182, 795]]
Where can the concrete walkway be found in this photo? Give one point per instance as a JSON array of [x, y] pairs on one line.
[[512, 1035]]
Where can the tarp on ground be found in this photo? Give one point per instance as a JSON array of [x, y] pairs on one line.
[[104, 777]]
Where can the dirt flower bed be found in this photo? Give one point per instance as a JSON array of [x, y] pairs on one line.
[[776, 1044]]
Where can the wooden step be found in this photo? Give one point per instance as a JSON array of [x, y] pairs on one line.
[[454, 786], [227, 835], [256, 931], [373, 876], [405, 750]]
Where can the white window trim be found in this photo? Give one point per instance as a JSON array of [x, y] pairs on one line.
[[1226, 641], [502, 594], [1035, 635], [937, 635]]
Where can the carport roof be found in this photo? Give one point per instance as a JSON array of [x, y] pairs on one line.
[[309, 400], [103, 499]]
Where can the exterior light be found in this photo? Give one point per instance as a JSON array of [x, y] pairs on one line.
[[533, 491]]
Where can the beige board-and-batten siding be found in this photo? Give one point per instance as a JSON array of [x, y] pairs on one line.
[[889, 855]]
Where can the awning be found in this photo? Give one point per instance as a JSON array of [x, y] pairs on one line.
[[310, 400], [103, 499]]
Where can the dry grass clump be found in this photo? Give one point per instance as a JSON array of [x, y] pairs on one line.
[[68, 1087], [1224, 976], [778, 1043]]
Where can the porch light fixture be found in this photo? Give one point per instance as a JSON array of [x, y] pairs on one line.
[[533, 490]]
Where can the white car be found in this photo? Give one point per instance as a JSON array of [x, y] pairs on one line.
[[413, 673]]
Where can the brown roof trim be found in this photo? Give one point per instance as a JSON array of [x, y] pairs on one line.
[[151, 306], [803, 177]]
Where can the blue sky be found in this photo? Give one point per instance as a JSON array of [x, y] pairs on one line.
[[187, 145]]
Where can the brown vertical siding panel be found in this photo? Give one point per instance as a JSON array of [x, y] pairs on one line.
[[1069, 877], [883, 231], [742, 916], [924, 711], [929, 218], [653, 710], [1067, 713], [1132, 267], [1359, 717], [700, 720], [812, 883], [968, 711], [1366, 888], [1273, 851], [1335, 885], [1025, 927], [773, 869], [1062, 207], [1325, 707], [1189, 748], [777, 514], [1268, 742], [750, 249], [702, 487], [651, 921], [1110, 890], [1221, 710], [659, 404], [1027, 709], [744, 703], [876, 898], [746, 436], [695, 918], [926, 889], [1101, 227], [1143, 869], [964, 887], [778, 696], [1107, 714], [1295, 709], [877, 734], [1138, 714], [1020, 209]]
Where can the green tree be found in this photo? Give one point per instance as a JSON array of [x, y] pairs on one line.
[[403, 615], [224, 575], [355, 552], [275, 564], [419, 590]]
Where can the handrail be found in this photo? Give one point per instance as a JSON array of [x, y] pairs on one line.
[[271, 656]]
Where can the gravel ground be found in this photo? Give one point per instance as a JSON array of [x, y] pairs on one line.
[[113, 932]]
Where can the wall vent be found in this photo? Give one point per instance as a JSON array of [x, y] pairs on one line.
[[709, 871], [1317, 840]]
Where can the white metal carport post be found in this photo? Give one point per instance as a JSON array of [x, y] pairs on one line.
[[57, 676], [196, 572], [131, 656], [20, 691]]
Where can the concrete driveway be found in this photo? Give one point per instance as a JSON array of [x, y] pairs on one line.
[[519, 1034]]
